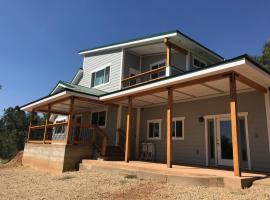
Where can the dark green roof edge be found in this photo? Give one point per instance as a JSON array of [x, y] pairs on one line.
[[66, 89], [150, 36]]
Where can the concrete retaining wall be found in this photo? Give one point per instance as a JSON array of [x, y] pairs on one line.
[[54, 158]]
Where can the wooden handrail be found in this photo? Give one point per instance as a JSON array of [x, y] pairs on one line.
[[153, 71], [49, 125]]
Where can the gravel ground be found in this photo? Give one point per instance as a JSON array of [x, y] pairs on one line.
[[25, 183]]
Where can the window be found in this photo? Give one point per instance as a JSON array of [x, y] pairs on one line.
[[154, 129], [198, 63], [100, 77], [156, 66], [178, 128], [99, 118]]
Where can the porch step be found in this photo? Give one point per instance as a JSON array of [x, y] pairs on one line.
[[113, 153], [178, 175]]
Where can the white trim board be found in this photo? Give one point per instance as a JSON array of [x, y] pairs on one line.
[[127, 44]]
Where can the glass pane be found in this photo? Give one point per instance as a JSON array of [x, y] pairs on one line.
[[151, 130], [107, 74], [101, 118], [156, 129], [179, 129], [95, 118], [226, 139], [93, 79], [173, 129], [99, 77], [162, 64], [242, 129], [211, 138]]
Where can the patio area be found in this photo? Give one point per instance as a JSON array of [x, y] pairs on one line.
[[178, 174]]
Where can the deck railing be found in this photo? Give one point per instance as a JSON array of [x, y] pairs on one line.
[[151, 75], [47, 133]]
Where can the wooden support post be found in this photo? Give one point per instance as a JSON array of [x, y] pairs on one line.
[[234, 125], [70, 120], [46, 123], [169, 128], [31, 123], [128, 129], [168, 54]]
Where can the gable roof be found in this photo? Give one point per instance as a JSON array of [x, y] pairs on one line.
[[125, 43], [62, 85]]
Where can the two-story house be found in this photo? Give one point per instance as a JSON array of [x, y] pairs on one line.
[[162, 98]]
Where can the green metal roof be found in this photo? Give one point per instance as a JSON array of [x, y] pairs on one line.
[[62, 85], [151, 36]]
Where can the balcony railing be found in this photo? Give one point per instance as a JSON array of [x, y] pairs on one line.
[[150, 75]]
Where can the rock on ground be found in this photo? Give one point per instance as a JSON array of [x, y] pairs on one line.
[[26, 183]]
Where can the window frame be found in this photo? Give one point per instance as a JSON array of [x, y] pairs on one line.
[[157, 63], [103, 67], [154, 121], [100, 110], [182, 119], [200, 60]]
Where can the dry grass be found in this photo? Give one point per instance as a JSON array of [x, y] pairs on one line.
[[25, 183]]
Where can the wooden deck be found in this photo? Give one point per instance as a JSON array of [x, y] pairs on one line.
[[178, 174]]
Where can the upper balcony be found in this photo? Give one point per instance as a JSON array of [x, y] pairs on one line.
[[146, 63]]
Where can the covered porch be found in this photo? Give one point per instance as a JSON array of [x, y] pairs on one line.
[[228, 84]]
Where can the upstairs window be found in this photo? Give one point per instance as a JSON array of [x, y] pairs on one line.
[[100, 77], [198, 63], [99, 118]]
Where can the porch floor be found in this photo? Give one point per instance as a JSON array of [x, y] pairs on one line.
[[180, 174]]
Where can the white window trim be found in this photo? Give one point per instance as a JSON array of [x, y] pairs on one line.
[[195, 57], [100, 110], [99, 69], [154, 121], [183, 128]]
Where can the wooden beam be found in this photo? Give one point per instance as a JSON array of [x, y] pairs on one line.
[[250, 83], [168, 52], [169, 128], [70, 120], [175, 47], [234, 126], [128, 129], [47, 121]]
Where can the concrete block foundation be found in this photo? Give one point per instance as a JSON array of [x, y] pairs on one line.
[[54, 157]]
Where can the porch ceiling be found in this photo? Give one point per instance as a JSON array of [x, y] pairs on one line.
[[189, 93], [63, 107]]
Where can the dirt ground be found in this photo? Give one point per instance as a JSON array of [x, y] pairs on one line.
[[25, 183]]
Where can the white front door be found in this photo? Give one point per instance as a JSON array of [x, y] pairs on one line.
[[224, 142]]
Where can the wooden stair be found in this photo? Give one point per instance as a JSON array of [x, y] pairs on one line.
[[113, 153]]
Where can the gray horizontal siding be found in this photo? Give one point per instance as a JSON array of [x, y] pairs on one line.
[[95, 61], [192, 148]]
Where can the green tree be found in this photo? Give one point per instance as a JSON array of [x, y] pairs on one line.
[[13, 131], [265, 58]]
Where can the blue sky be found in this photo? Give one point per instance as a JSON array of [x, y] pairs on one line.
[[40, 40]]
